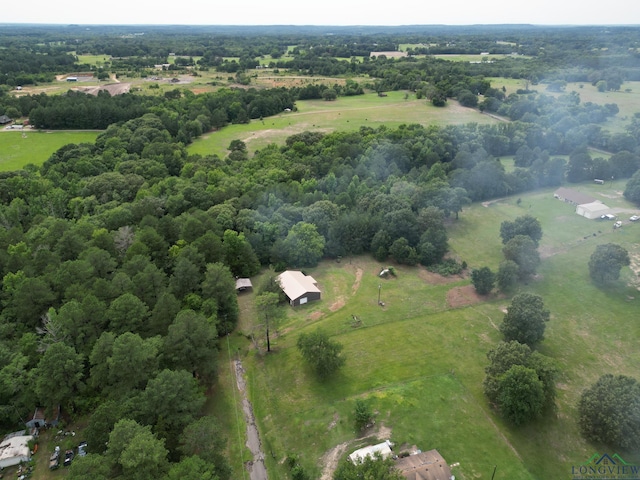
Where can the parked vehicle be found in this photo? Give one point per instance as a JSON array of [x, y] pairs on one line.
[[68, 457], [618, 224], [634, 218], [82, 449], [54, 459]]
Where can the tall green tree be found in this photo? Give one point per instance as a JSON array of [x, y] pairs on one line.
[[220, 286], [303, 246], [191, 344], [58, 376], [270, 312], [522, 250], [514, 392], [205, 439], [524, 225], [609, 412], [135, 452], [521, 396], [483, 280], [606, 262], [321, 353], [525, 320]]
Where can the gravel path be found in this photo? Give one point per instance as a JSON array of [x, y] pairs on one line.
[[256, 468]]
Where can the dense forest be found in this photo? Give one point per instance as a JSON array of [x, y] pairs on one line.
[[118, 259]]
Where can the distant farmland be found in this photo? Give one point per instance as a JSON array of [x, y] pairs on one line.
[[18, 148]]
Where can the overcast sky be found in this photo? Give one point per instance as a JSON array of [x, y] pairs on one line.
[[323, 12]]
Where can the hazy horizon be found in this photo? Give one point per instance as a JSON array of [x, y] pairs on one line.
[[330, 13]]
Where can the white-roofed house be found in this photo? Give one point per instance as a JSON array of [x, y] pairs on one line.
[[298, 287], [14, 449]]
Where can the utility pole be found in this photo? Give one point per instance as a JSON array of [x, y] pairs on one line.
[[494, 471], [379, 288]]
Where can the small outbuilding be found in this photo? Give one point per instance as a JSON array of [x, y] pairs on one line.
[[424, 466], [592, 210], [298, 287], [5, 119], [40, 420], [383, 449], [243, 284], [14, 449]]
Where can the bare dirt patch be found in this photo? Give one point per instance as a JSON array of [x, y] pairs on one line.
[[337, 305], [112, 88], [316, 315], [463, 296], [356, 284]]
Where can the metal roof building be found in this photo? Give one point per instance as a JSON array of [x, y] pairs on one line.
[[298, 287]]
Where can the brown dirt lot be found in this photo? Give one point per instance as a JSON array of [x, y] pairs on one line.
[[112, 88], [463, 296]]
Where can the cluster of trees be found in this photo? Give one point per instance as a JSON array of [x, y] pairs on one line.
[[520, 382], [520, 239]]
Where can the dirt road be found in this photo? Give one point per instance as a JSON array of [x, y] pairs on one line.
[[256, 468]]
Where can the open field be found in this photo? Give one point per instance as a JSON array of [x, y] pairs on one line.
[[627, 99], [346, 113], [35, 147], [97, 60], [419, 361]]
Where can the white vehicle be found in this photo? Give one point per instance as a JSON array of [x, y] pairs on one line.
[[634, 218], [618, 224]]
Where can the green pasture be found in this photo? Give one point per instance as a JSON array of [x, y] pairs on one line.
[[97, 60], [35, 147], [476, 58], [419, 361], [627, 98], [346, 113]]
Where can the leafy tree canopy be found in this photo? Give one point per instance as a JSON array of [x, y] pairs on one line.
[[321, 353], [606, 262], [609, 412], [525, 320]]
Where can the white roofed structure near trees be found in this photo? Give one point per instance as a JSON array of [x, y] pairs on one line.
[[298, 287], [383, 449], [592, 210], [14, 449]]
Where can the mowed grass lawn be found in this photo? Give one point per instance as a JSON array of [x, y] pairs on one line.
[[419, 360], [35, 147], [346, 113]]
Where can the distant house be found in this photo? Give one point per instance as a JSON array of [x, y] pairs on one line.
[[424, 466], [298, 287], [243, 284], [14, 449], [4, 120], [592, 210], [40, 420], [383, 449], [572, 196]]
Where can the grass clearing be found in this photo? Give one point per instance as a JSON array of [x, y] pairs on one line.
[[35, 147], [346, 113], [419, 361]]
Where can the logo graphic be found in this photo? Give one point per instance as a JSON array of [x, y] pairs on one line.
[[605, 467]]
